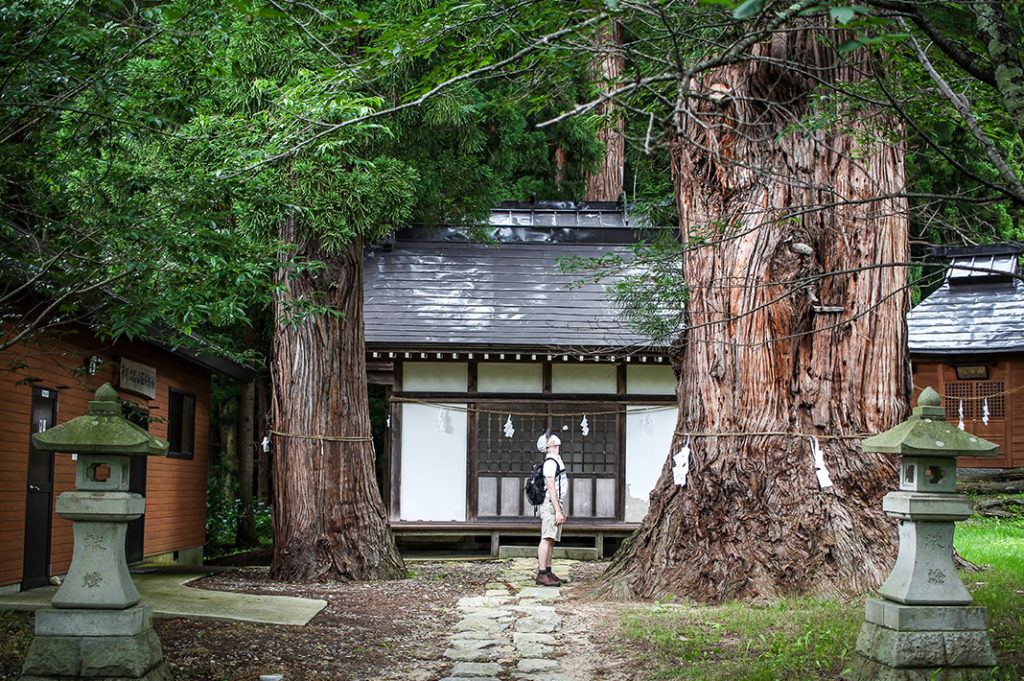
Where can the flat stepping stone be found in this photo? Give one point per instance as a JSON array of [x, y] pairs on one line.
[[471, 654], [540, 592], [476, 670], [475, 678], [531, 608], [533, 665], [543, 639], [544, 676], [483, 601], [478, 623], [490, 613], [534, 650], [473, 634], [541, 623]]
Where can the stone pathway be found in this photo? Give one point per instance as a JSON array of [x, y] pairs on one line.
[[510, 632]]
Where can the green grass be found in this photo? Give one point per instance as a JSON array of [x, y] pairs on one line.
[[798, 639], [795, 638]]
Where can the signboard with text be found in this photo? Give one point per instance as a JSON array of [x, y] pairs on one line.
[[138, 378]]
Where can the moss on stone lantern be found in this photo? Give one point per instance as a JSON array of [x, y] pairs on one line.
[[923, 626], [96, 628]]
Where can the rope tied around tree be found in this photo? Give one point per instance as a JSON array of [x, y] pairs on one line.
[[325, 438], [772, 433]]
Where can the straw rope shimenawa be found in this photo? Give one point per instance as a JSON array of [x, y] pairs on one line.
[[503, 412], [325, 438], [979, 397]]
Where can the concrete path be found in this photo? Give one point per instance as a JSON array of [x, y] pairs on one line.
[[510, 632], [169, 594]]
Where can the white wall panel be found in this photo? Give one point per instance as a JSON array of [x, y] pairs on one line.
[[648, 439], [449, 377], [583, 378], [433, 485], [494, 377], [650, 380]]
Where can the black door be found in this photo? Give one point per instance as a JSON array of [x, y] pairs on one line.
[[39, 500], [136, 483]]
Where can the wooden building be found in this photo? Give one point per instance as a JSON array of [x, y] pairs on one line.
[[967, 341], [50, 382], [484, 346]]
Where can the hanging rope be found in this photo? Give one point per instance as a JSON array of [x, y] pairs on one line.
[[766, 433], [975, 399], [324, 438], [477, 410]]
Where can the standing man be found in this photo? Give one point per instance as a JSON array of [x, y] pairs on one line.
[[552, 511]]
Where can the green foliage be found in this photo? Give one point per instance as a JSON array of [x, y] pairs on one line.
[[222, 522]]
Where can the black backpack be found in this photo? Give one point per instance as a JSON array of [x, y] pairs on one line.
[[536, 488]]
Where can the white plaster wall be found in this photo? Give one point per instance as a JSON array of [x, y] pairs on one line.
[[648, 439], [650, 380], [433, 459], [494, 377], [583, 378], [448, 377]]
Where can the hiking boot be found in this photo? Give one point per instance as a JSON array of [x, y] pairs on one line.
[[547, 579], [559, 579]]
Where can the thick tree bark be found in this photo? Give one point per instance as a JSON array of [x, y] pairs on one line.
[[228, 431], [263, 485], [329, 522], [796, 326], [245, 534], [606, 183]]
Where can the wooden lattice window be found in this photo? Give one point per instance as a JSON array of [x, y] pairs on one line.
[[504, 463], [973, 396]]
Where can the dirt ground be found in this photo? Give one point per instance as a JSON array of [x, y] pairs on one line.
[[386, 630], [383, 631]]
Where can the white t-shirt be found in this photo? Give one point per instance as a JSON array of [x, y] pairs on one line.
[[561, 480]]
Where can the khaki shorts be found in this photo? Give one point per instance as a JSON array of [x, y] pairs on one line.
[[548, 529]]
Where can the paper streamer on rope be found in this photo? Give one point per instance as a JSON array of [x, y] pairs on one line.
[[585, 426], [961, 413], [984, 413], [444, 423], [510, 430], [682, 464], [824, 480], [648, 425]]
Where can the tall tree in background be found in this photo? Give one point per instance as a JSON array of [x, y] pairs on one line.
[[605, 184]]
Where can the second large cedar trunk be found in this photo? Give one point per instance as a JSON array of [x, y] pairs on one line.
[[796, 328], [329, 521]]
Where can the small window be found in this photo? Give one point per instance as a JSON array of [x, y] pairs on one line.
[[974, 397], [181, 424]]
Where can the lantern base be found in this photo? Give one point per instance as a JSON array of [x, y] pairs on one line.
[[922, 643], [98, 645]]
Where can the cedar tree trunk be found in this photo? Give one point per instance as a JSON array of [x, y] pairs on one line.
[[606, 183], [263, 458], [796, 325], [329, 522], [245, 534]]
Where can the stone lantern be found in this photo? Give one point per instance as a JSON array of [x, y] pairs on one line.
[[923, 626], [96, 628]]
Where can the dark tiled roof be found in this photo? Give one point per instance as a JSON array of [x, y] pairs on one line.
[[979, 310], [438, 290]]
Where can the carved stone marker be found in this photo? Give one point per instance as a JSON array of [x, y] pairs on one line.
[[96, 629], [923, 626]]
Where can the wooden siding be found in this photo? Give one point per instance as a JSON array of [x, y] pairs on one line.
[[1007, 432], [175, 488]]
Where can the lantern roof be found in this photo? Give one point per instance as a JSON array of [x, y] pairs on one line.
[[927, 433], [102, 430]]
